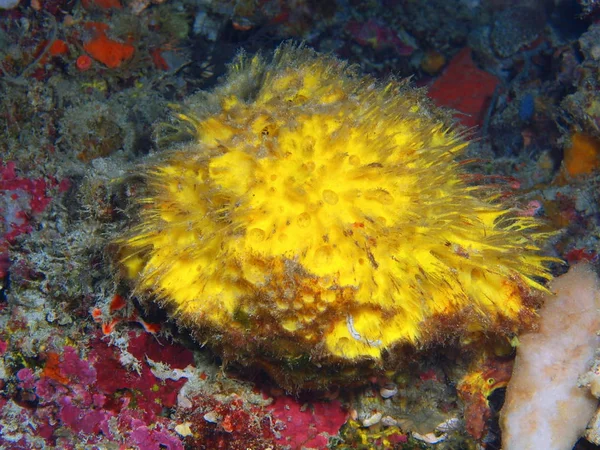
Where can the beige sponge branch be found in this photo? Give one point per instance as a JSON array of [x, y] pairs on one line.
[[544, 406]]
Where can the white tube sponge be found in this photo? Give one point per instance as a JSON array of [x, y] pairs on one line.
[[544, 408]]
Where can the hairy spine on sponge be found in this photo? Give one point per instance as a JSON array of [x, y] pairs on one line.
[[321, 216]]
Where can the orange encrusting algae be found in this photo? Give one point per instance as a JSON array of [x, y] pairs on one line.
[[582, 157], [108, 51], [52, 369], [58, 47]]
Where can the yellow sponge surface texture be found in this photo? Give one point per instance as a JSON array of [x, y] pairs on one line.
[[319, 212]]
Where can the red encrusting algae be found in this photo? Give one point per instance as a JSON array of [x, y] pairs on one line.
[[103, 49]]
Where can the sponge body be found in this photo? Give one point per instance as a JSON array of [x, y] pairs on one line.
[[323, 217], [544, 408]]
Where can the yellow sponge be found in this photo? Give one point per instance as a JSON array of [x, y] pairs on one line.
[[320, 216]]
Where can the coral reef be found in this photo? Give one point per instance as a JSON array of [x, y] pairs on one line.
[[120, 408], [85, 363]]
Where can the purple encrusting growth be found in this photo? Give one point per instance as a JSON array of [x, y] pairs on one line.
[[97, 399]]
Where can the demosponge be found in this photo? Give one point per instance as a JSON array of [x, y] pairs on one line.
[[321, 218], [543, 407]]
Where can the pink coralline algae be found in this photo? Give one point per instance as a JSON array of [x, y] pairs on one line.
[[3, 347], [307, 425], [234, 422], [20, 200], [227, 422], [26, 378], [99, 400], [90, 396]]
